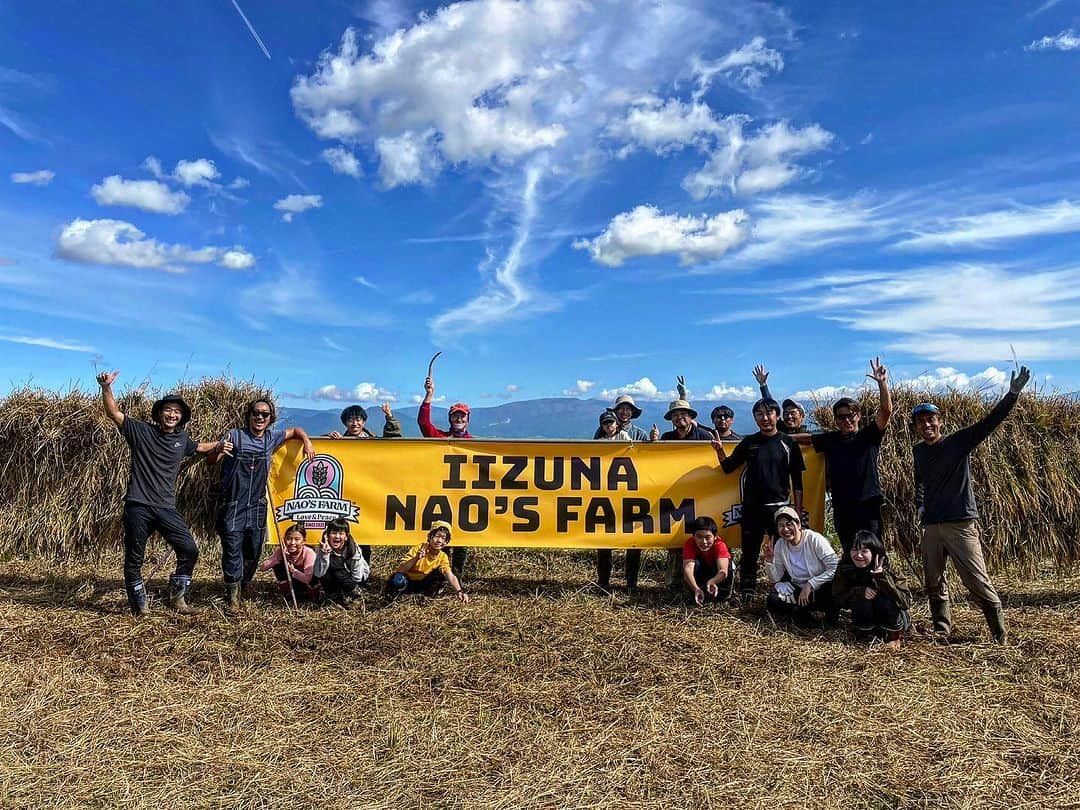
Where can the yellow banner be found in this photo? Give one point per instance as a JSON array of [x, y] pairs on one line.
[[534, 494]]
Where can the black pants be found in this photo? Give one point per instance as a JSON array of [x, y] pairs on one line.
[[756, 521], [337, 582], [458, 555], [399, 584], [703, 573], [850, 519], [140, 520], [603, 567], [240, 552], [879, 613], [820, 599]]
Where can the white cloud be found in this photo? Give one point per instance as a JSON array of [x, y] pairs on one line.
[[747, 66], [39, 178], [416, 399], [508, 391], [825, 393], [120, 244], [791, 224], [153, 165], [361, 392], [296, 204], [751, 165], [996, 226], [199, 172], [148, 195], [581, 387], [643, 389], [943, 379], [363, 282], [405, 159], [644, 231], [293, 289], [237, 259], [239, 183], [956, 348], [1067, 40], [50, 343], [333, 344], [668, 125], [724, 391], [342, 161]]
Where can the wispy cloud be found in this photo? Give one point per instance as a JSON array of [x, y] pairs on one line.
[[1067, 40], [363, 282], [39, 178], [643, 388], [580, 388], [50, 343], [295, 204], [986, 229]]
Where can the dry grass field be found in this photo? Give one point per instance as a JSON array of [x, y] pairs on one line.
[[537, 694]]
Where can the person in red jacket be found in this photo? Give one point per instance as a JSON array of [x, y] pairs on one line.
[[459, 429], [459, 417]]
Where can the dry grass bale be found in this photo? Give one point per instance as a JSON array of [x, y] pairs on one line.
[[65, 466], [1026, 475], [533, 695]]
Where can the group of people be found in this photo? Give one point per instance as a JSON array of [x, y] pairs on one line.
[[803, 571]]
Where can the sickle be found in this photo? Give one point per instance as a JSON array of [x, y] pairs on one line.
[[431, 365]]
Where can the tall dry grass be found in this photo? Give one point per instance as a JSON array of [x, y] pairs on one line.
[[1026, 475], [63, 469]]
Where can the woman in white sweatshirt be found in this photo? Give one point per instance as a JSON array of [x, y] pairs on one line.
[[802, 568]]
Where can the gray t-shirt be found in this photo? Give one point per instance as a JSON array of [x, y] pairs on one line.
[[155, 462]]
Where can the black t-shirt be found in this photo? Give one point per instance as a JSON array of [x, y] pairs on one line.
[[155, 462], [852, 463], [697, 434], [773, 464]]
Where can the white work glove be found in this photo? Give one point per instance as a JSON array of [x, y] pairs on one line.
[[786, 591]]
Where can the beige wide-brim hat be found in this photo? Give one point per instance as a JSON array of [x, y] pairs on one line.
[[635, 411], [680, 405]]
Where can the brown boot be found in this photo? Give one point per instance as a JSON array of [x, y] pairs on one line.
[[941, 614], [178, 588], [232, 599]]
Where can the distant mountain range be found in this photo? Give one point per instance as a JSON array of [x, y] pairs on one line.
[[553, 418]]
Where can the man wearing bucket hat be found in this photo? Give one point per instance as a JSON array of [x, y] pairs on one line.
[[157, 451], [459, 429], [946, 504], [627, 411]]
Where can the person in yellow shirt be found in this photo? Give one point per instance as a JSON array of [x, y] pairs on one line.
[[426, 566]]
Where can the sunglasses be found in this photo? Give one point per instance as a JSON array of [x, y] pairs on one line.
[[260, 414], [844, 417], [724, 416]]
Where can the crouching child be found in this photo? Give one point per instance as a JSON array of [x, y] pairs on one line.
[[802, 569], [340, 569], [706, 563], [293, 561], [426, 567], [878, 596]]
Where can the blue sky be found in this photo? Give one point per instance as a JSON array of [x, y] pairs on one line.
[[566, 198]]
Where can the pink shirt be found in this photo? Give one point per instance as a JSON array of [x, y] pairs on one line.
[[304, 562]]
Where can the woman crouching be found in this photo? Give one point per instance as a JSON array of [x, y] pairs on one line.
[[803, 565], [878, 596]]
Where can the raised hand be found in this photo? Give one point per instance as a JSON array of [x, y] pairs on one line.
[[878, 372], [106, 379], [386, 409], [680, 384], [429, 385], [654, 434], [1017, 381], [760, 374]]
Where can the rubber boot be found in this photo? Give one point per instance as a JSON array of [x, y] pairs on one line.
[[633, 568], [673, 576], [178, 588], [941, 615], [458, 556], [136, 594], [232, 599], [995, 620]]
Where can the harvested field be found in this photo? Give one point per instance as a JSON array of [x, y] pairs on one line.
[[537, 694]]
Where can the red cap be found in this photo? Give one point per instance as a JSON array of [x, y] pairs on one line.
[[459, 406]]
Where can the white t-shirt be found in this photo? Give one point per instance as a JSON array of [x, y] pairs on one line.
[[798, 568]]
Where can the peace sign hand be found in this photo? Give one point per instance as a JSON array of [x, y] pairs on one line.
[[878, 372]]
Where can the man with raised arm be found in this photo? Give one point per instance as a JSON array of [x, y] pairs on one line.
[[157, 450], [774, 467], [946, 505], [459, 429], [792, 413], [851, 458]]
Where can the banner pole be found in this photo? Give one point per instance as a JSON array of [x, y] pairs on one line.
[[277, 534]]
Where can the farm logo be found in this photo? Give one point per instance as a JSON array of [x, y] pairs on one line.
[[733, 516], [317, 499]]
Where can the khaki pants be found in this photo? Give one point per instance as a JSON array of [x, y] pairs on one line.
[[960, 541]]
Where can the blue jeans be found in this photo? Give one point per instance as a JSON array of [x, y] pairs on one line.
[[240, 552]]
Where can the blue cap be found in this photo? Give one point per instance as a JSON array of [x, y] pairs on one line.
[[924, 407]]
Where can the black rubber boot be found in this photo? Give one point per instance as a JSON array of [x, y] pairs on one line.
[[941, 615], [995, 620], [178, 589], [136, 594], [232, 599]]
